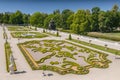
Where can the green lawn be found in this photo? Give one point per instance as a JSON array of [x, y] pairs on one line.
[[19, 28], [116, 52], [110, 36], [53, 34]]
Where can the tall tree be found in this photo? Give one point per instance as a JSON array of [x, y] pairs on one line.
[[95, 13], [6, 18], [37, 19], [101, 19], [26, 18], [47, 20], [56, 11], [16, 18], [65, 14], [1, 17], [81, 22]]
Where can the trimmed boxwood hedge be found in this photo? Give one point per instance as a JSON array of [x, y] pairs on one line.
[[27, 58], [8, 52]]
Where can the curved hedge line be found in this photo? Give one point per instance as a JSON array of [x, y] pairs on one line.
[[67, 66], [30, 61]]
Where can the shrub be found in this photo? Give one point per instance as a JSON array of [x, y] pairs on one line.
[[57, 34], [54, 63], [70, 37], [8, 52], [44, 31], [75, 53]]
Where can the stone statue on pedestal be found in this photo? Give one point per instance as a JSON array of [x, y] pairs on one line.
[[11, 66], [52, 25]]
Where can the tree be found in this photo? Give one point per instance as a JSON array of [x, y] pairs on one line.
[[47, 20], [101, 20], [70, 37], [6, 18], [37, 19], [115, 8], [95, 13], [1, 17], [81, 22], [16, 18], [56, 12], [65, 14], [70, 20], [26, 19], [57, 34]]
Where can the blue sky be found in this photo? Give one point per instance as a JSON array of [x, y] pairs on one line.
[[48, 6]]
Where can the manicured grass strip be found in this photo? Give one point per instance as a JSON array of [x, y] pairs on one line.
[[116, 52], [27, 55], [8, 52], [53, 34], [109, 36], [19, 28]]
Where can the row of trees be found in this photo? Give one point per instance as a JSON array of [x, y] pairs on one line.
[[79, 22]]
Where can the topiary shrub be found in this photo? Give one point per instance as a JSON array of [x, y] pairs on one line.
[[57, 34], [70, 37]]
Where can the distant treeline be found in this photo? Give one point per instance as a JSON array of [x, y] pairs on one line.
[[79, 22]]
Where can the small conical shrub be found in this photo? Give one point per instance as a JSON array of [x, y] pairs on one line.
[[57, 33], [43, 30], [70, 37]]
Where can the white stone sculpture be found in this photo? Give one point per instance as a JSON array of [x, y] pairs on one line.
[[11, 66]]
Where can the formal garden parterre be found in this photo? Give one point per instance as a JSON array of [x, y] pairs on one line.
[[62, 57], [19, 28], [26, 34]]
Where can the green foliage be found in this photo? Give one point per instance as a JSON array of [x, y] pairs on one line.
[[18, 28], [37, 19], [27, 58], [65, 54], [117, 52], [66, 65], [44, 31], [71, 63], [110, 36], [70, 48], [54, 63], [70, 37], [65, 15], [80, 22], [53, 34], [46, 57], [16, 18], [57, 34], [8, 52]]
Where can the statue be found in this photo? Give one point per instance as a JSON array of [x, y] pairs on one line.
[[11, 66], [52, 25]]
